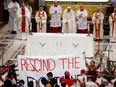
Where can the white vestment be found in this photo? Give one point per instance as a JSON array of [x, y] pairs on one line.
[[112, 25], [90, 84], [55, 17], [20, 34], [41, 22], [81, 21], [82, 78], [4, 76], [6, 3], [12, 8], [99, 81], [112, 82], [98, 25], [29, 8], [1, 83], [68, 23]]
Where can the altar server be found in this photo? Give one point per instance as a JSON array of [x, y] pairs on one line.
[[81, 17], [55, 22], [41, 18]]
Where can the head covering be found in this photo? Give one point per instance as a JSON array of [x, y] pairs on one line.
[[67, 73], [62, 78], [83, 71], [68, 7], [6, 69], [55, 0], [101, 72]]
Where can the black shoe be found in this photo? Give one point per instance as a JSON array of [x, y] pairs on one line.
[[13, 32], [95, 39]]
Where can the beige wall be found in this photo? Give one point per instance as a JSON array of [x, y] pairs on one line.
[[89, 6]]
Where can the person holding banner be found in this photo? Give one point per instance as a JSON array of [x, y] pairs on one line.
[[112, 21], [55, 22], [97, 19], [45, 82], [23, 20], [41, 18], [69, 25], [51, 79]]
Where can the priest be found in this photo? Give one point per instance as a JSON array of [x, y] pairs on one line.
[[55, 22], [23, 20], [41, 18], [28, 6], [112, 21], [81, 17], [97, 20], [69, 25], [12, 8]]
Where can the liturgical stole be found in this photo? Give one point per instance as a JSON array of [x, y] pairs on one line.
[[23, 20], [97, 29], [113, 18], [40, 14]]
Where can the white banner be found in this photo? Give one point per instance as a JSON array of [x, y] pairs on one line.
[[34, 67]]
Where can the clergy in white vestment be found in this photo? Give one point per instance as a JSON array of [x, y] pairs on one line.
[[81, 17], [89, 82], [112, 21], [41, 18], [12, 8], [68, 23], [23, 20], [55, 22], [82, 78], [112, 82], [97, 20], [100, 81], [28, 6]]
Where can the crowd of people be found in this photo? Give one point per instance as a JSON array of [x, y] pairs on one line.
[[20, 20], [87, 78], [20, 23]]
